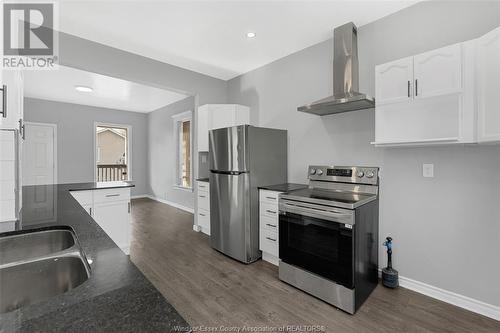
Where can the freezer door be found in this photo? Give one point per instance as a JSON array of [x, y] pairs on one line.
[[228, 149], [230, 215]]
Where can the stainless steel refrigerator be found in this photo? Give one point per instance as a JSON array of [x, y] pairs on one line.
[[242, 158]]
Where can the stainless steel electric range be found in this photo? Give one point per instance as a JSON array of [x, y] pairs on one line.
[[328, 235]]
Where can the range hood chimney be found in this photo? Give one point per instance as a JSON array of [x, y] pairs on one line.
[[346, 96]]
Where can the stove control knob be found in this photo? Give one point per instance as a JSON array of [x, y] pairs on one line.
[[319, 172], [312, 172], [370, 174], [360, 174]]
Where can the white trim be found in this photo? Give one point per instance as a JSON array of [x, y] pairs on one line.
[[54, 126], [471, 304], [140, 196], [182, 116], [129, 146], [183, 188], [173, 204], [176, 118], [462, 301]]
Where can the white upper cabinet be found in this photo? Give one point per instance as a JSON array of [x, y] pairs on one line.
[[438, 72], [421, 100], [12, 101], [393, 81], [488, 86], [213, 116]]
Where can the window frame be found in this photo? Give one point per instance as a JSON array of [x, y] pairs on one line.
[[129, 146], [176, 120]]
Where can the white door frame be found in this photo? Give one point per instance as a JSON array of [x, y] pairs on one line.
[[129, 150], [54, 127]]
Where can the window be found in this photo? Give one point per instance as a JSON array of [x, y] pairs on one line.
[[182, 137], [112, 161]]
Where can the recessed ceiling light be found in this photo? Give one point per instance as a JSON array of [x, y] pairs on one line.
[[83, 89], [251, 34]]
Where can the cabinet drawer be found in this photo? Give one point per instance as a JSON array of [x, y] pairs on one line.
[[203, 201], [110, 195], [269, 242], [269, 210], [203, 186], [269, 223], [204, 221], [84, 198], [268, 196]]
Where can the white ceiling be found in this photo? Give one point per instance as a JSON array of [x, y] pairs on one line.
[[108, 92], [210, 36]]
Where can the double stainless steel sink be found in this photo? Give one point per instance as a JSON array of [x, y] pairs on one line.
[[36, 265]]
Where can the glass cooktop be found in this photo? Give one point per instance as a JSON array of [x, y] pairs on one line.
[[330, 197]]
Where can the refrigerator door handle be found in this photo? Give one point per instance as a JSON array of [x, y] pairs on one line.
[[234, 173]]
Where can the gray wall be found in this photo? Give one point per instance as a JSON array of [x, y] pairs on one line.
[[98, 58], [446, 229], [75, 132], [162, 154]]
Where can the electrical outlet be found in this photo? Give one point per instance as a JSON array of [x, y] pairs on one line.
[[428, 170]]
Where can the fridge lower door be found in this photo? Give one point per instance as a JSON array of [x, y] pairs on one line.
[[230, 215]]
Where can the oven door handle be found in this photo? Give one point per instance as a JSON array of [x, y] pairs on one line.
[[329, 215]]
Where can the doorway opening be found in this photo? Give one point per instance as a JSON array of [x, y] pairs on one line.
[[112, 155]]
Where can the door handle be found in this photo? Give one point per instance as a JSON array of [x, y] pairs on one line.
[[271, 225], [409, 88], [270, 211], [22, 129], [272, 198], [271, 239], [416, 87], [4, 101], [112, 195], [129, 207]]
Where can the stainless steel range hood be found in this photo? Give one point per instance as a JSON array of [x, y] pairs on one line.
[[345, 77]]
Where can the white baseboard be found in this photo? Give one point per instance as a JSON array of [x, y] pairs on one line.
[[140, 196], [471, 304], [462, 301], [173, 204]]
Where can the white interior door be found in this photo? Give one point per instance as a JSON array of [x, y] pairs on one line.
[[39, 154]]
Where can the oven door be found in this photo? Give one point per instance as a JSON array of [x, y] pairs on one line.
[[319, 239]]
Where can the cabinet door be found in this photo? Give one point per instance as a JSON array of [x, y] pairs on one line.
[[114, 219], [221, 116], [394, 81], [203, 128], [14, 98], [488, 83], [438, 72]]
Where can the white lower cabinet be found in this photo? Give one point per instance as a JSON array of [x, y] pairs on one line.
[[110, 208], [203, 206], [113, 218], [269, 225]]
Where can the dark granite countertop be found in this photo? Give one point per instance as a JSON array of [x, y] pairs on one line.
[[286, 187], [116, 298], [202, 179]]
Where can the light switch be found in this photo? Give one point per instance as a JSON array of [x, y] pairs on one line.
[[428, 170]]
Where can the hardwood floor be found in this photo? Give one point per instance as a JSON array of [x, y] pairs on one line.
[[210, 289]]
